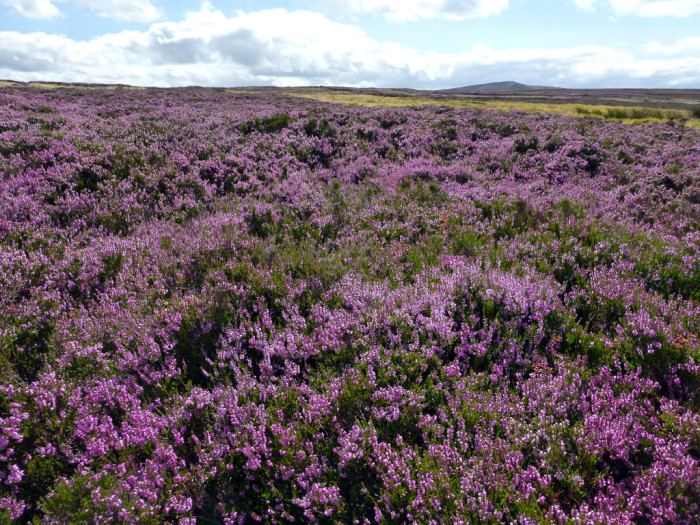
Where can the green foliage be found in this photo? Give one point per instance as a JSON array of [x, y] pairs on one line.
[[667, 273], [446, 149], [320, 129], [261, 225], [271, 124], [633, 113], [617, 113], [338, 205], [590, 153], [111, 265], [40, 478], [21, 147], [123, 161], [465, 242], [28, 349], [430, 194], [523, 145], [569, 209], [72, 502], [389, 121]]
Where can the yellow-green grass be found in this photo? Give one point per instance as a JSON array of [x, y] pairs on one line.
[[636, 114], [357, 99], [50, 85], [238, 91], [5, 83], [45, 85]]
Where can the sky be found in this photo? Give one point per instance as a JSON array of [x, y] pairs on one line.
[[422, 44]]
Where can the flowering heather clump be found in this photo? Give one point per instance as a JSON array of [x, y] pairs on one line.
[[236, 308]]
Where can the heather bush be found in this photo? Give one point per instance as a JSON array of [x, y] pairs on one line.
[[221, 308]]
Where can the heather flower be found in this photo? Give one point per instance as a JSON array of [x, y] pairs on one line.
[[256, 308]]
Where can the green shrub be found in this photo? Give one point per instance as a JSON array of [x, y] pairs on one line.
[[271, 124], [633, 113], [524, 145], [322, 128], [617, 113]]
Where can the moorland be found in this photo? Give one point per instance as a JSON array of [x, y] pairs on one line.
[[348, 306]]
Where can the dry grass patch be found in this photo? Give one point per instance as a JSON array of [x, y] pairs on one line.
[[51, 85], [630, 115]]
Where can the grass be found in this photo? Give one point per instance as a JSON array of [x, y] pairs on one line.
[[625, 114], [4, 83], [50, 85], [633, 113], [356, 99], [45, 85]]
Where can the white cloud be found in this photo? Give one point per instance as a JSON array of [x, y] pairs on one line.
[[644, 8], [687, 45], [278, 47], [36, 9], [126, 10], [585, 5], [412, 10]]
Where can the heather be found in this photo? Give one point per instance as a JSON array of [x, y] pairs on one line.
[[236, 308]]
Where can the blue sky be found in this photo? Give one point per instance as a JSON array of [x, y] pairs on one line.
[[388, 43]]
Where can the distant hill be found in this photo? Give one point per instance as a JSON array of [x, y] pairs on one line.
[[507, 85]]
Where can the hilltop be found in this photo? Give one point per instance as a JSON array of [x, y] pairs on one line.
[[507, 85]]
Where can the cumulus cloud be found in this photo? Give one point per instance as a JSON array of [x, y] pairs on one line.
[[687, 45], [277, 47], [412, 10], [129, 10], [585, 5], [644, 8], [36, 9], [126, 10]]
